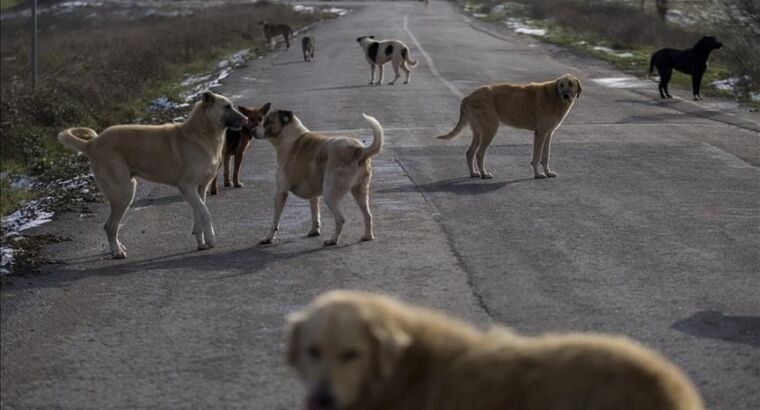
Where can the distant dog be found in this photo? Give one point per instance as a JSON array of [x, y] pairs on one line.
[[539, 107], [380, 52], [312, 165], [185, 155], [271, 31], [308, 45], [692, 61], [356, 350], [235, 144]]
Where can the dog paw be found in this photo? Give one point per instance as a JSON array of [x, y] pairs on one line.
[[539, 176], [330, 242], [119, 255], [239, 185], [406, 82], [486, 175], [227, 183], [204, 246], [551, 174], [266, 241], [474, 174], [367, 238], [313, 232]]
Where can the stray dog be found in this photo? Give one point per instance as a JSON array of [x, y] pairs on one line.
[[539, 107], [380, 52], [273, 30], [357, 350], [692, 61], [235, 144], [308, 45], [312, 165], [185, 155]]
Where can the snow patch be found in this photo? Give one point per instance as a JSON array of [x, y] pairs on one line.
[[728, 84], [518, 26], [621, 82], [624, 54]]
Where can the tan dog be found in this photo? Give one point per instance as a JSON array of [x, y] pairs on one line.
[[360, 351], [235, 144], [312, 165], [539, 107], [185, 155]]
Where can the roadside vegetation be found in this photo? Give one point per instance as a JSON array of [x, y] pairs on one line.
[[626, 33]]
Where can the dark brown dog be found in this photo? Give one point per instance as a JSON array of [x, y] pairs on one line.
[[235, 144]]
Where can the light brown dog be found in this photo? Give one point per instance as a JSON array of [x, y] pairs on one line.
[[235, 144], [312, 165], [185, 155], [539, 107], [357, 350]]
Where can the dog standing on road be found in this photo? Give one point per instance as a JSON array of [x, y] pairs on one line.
[[312, 165], [380, 52], [692, 61], [356, 350], [308, 45], [235, 144], [271, 31], [185, 155], [539, 107]]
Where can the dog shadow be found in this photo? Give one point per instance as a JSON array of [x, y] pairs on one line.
[[289, 63], [341, 87], [457, 186], [164, 200], [712, 324]]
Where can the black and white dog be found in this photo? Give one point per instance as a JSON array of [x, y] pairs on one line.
[[380, 52], [691, 61]]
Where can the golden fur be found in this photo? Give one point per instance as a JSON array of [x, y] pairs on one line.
[[312, 165], [185, 155], [539, 107], [357, 350]]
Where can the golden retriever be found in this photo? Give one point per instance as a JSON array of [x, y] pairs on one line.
[[185, 155], [365, 351], [539, 107]]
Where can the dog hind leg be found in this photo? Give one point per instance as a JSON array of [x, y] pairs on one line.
[[119, 189], [360, 192], [395, 70], [407, 71], [696, 81], [372, 74], [335, 188], [474, 145], [227, 159], [315, 219], [380, 71], [236, 174], [545, 156]]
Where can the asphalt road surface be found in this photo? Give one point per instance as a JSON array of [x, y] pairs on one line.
[[650, 230]]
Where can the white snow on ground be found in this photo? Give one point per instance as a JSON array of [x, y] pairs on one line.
[[755, 96], [728, 84], [311, 10], [33, 213], [621, 82], [624, 54], [524, 28]]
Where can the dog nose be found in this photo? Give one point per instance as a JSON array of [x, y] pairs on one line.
[[322, 399]]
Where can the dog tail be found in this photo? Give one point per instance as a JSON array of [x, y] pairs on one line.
[[405, 55], [377, 139], [460, 124], [77, 139], [651, 65]]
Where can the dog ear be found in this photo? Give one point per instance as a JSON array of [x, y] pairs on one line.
[[295, 322], [265, 108], [208, 97], [286, 117], [580, 87], [372, 37], [556, 88], [391, 342]]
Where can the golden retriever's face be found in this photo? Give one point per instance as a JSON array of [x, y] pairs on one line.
[[568, 87], [340, 354]]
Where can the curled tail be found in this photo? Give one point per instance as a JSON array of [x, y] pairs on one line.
[[460, 124], [77, 139], [405, 55], [377, 139]]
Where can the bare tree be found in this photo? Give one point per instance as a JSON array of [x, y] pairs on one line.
[[662, 9]]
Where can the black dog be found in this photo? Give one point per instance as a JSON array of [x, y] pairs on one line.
[[691, 61]]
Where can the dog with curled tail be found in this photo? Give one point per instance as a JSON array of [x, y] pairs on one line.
[[380, 52]]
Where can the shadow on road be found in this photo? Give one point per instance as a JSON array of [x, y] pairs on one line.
[[164, 200], [712, 324], [341, 87], [459, 186]]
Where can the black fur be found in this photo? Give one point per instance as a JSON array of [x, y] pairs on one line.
[[372, 51], [692, 61], [389, 49], [404, 53]]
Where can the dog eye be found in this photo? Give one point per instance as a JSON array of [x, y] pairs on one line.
[[314, 352], [348, 355]]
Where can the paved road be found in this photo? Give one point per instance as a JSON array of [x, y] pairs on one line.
[[650, 230]]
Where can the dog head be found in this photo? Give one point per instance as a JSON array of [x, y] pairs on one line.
[[221, 111], [708, 43], [363, 39], [274, 124], [255, 116], [568, 87], [343, 349]]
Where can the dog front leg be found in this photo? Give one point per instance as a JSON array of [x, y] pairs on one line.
[[545, 156], [236, 174], [315, 219], [227, 159], [538, 146], [279, 205], [395, 70], [371, 73], [696, 82], [202, 230], [380, 71]]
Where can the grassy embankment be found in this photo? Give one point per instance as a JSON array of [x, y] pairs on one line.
[[102, 69], [584, 24]]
